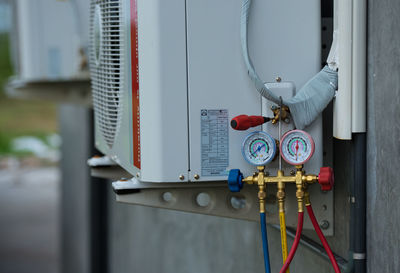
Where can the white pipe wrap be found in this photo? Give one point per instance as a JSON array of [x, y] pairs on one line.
[[310, 100], [313, 97]]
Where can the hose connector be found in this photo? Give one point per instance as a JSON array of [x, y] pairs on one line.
[[262, 193], [300, 198], [281, 194]]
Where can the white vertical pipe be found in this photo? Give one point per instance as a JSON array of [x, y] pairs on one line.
[[359, 84], [335, 14], [342, 112]]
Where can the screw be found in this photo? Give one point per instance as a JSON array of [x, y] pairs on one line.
[[138, 175], [325, 224], [278, 79], [181, 177], [196, 176]]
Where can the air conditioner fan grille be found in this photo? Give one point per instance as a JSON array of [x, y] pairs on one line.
[[106, 64]]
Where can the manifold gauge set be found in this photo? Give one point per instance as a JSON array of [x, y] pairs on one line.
[[296, 148]]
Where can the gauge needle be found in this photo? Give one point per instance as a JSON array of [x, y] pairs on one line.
[[297, 147], [258, 149]]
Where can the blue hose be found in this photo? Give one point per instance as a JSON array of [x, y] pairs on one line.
[[265, 242]]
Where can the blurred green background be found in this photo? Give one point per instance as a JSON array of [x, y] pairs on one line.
[[21, 117]]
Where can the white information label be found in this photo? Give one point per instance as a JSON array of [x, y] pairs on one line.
[[214, 142]]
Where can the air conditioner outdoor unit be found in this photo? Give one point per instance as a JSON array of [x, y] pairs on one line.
[[50, 36], [168, 76]]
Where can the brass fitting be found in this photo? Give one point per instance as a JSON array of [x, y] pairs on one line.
[[262, 193], [280, 195], [300, 179], [300, 197], [277, 111]]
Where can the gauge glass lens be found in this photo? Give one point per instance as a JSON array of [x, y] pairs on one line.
[[297, 147], [259, 148]]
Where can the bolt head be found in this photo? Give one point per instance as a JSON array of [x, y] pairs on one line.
[[278, 79], [196, 176], [324, 224], [181, 177]]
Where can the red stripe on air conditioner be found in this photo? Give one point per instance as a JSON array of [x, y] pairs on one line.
[[135, 84]]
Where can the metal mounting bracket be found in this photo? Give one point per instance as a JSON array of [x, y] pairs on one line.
[[211, 198], [216, 199]]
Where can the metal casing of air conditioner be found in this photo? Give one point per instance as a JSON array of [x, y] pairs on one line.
[[167, 77]]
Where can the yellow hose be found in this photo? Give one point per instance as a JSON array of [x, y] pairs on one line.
[[282, 223]]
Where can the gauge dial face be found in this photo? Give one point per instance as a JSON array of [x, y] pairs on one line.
[[297, 147], [259, 148]]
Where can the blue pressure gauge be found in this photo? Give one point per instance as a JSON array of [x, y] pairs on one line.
[[259, 148]]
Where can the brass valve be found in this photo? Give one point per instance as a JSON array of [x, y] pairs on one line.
[[277, 111]]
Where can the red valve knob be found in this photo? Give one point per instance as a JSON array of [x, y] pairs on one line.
[[326, 178], [244, 122]]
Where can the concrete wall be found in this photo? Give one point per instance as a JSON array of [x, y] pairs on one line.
[[383, 188]]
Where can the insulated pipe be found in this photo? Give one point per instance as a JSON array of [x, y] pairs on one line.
[[342, 111], [295, 243], [359, 67]]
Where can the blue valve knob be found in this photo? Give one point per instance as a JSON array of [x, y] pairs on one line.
[[235, 182]]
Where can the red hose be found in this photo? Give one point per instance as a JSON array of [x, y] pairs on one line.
[[322, 238], [295, 243]]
